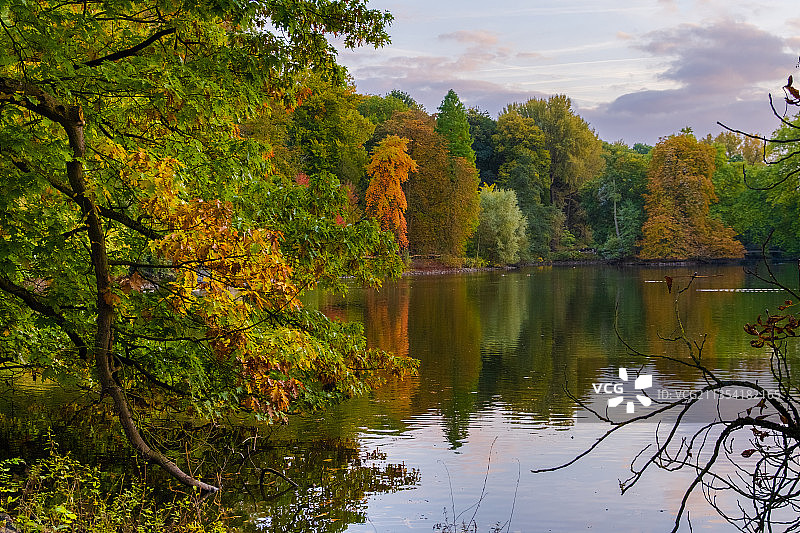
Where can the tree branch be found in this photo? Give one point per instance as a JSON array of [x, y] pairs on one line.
[[127, 221], [42, 308], [132, 51]]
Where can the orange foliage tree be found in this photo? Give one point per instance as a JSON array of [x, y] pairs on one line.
[[680, 192], [385, 199]]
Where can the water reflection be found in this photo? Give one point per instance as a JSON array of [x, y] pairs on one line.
[[502, 355]]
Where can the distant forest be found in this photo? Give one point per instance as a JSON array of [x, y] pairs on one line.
[[536, 183]]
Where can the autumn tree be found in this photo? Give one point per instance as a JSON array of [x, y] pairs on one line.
[[150, 248], [680, 191], [574, 148], [385, 200], [442, 194], [452, 124]]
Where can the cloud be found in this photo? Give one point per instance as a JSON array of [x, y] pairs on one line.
[[427, 80], [475, 38], [723, 55], [718, 69], [793, 23], [428, 77], [528, 55]]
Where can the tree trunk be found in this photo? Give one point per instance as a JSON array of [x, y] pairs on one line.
[[74, 126]]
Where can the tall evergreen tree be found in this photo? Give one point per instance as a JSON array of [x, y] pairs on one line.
[[452, 124]]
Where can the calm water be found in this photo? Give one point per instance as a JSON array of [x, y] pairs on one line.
[[500, 354]]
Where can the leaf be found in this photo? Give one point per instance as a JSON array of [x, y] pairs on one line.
[[748, 453]]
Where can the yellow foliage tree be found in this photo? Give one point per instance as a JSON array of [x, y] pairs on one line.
[[680, 192]]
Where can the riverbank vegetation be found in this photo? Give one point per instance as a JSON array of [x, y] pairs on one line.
[[155, 235]]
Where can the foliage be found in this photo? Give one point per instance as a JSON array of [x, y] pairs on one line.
[[60, 493], [680, 191], [380, 109], [500, 236], [575, 151], [774, 186], [740, 206], [481, 128], [406, 99], [330, 133], [150, 249], [442, 194], [614, 201], [738, 147], [452, 124], [385, 199], [524, 168]]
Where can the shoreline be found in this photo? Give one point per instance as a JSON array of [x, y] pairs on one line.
[[437, 269]]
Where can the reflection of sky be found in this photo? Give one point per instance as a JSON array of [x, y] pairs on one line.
[[584, 496], [636, 71]]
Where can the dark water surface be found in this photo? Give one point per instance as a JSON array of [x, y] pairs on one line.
[[501, 355]]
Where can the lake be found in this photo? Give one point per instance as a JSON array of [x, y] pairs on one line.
[[503, 355]]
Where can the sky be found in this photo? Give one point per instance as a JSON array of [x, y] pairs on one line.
[[635, 70]]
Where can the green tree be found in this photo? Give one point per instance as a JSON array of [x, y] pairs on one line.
[[500, 236], [524, 168], [575, 152], [149, 249], [772, 201], [680, 192], [330, 133], [481, 128], [614, 201], [406, 99], [452, 124], [379, 109]]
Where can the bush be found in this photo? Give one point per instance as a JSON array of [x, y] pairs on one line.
[[58, 493]]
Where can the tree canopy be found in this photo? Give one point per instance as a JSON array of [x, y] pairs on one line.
[[452, 124], [442, 193], [151, 249], [680, 191], [385, 199]]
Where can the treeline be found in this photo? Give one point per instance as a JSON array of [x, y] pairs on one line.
[[534, 184]]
